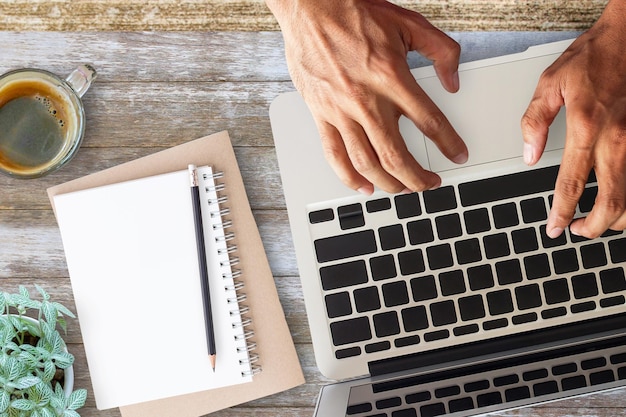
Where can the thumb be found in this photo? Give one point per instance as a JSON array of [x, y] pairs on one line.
[[539, 115], [438, 47]]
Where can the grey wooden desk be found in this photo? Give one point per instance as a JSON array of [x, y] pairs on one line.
[[157, 90]]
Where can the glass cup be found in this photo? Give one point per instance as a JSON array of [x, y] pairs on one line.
[[42, 119]]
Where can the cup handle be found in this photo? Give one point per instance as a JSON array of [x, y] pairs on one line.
[[81, 78]]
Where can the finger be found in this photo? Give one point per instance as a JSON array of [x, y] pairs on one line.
[[573, 174], [438, 47], [395, 158], [610, 203], [620, 223], [428, 118], [337, 157], [543, 108]]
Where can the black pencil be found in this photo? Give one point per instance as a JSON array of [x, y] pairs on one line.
[[202, 263]]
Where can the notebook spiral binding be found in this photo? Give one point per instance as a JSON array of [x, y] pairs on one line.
[[233, 277]]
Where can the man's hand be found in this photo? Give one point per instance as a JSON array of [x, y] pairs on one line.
[[348, 60], [589, 79]]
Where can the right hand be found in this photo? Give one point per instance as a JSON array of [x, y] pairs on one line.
[[348, 60]]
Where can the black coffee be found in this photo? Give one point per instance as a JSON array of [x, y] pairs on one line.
[[34, 126]]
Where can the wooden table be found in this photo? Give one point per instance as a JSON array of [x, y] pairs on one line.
[[157, 90]]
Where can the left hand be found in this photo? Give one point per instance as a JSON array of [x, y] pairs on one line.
[[589, 80]]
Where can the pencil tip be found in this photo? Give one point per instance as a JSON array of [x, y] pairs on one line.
[[212, 360]]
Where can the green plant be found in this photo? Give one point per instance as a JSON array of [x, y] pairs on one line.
[[33, 358]]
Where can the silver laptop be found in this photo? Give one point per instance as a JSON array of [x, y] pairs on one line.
[[453, 301]]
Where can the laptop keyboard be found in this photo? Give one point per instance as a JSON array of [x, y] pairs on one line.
[[466, 261], [499, 384]]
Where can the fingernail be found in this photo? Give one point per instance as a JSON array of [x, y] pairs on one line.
[[461, 158], [555, 232], [529, 154], [366, 190], [456, 84]]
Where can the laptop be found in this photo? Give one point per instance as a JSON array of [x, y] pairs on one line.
[[453, 301]]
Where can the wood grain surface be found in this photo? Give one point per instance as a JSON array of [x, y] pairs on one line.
[[253, 15], [156, 90]]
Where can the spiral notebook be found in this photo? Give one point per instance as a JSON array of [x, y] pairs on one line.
[[129, 240]]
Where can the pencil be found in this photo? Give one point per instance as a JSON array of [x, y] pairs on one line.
[[202, 263]]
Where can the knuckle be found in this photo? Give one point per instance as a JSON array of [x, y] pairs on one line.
[[363, 163], [391, 159], [432, 124], [570, 189]]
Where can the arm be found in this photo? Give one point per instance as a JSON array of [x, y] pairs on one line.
[[348, 60], [589, 79]]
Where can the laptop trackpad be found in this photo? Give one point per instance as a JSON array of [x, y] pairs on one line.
[[486, 112]]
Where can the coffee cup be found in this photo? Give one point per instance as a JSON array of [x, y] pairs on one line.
[[42, 119]]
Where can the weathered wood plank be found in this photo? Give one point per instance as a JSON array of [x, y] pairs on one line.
[[219, 15]]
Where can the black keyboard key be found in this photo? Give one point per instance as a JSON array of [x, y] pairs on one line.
[[440, 199], [534, 210], [566, 368], [420, 231], [321, 216], [452, 282], [501, 381], [547, 242], [408, 205], [480, 277], [496, 246], [338, 305], [389, 403], [351, 216], [471, 307], [556, 291], [588, 199], [465, 330], [602, 377], [495, 324], [395, 294], [414, 318], [424, 288], [593, 363], [499, 302], [617, 248], [612, 301], [439, 256], [436, 335], [524, 318], [386, 324], [476, 386], [343, 275], [618, 358], [545, 388], [391, 237], [443, 313], [593, 255], [430, 410], [573, 382], [508, 186], [366, 299], [505, 215], [447, 391], [528, 296], [508, 272], [490, 398], [537, 266], [448, 226], [524, 240], [406, 341], [418, 397], [535, 374], [613, 280], [461, 404], [350, 331], [345, 246], [383, 267], [583, 307], [477, 221], [584, 286], [552, 313], [411, 262], [359, 409], [468, 251], [348, 353], [517, 393], [380, 204], [565, 261]]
